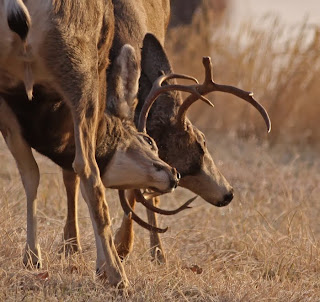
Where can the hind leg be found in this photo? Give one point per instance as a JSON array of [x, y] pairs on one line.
[[71, 228], [156, 249], [125, 235], [30, 177]]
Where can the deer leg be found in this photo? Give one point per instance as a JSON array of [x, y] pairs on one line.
[[110, 265], [71, 229], [93, 191], [84, 103], [125, 235], [156, 249], [30, 177]]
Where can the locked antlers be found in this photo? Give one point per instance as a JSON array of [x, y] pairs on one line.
[[140, 198], [197, 91]]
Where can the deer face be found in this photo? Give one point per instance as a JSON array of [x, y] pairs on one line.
[[202, 176], [136, 164], [185, 149]]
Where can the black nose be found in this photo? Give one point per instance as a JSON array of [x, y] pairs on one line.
[[228, 197]]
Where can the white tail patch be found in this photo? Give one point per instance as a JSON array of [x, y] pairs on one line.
[[28, 80]]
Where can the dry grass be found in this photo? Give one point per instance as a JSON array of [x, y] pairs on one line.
[[281, 64], [265, 246]]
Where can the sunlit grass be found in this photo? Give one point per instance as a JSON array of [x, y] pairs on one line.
[[280, 64], [263, 246]]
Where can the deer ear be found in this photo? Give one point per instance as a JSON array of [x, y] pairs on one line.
[[124, 83], [153, 58]]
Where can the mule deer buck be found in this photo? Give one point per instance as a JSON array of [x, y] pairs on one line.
[[180, 143], [57, 50]]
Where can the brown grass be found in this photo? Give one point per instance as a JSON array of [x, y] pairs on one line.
[[265, 246]]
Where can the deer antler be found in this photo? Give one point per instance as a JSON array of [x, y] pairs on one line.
[[130, 213], [157, 89], [210, 86], [140, 198], [197, 91]]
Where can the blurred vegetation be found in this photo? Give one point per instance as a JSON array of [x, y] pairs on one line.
[[280, 64]]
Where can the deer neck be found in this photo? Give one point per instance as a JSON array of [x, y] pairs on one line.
[[111, 131]]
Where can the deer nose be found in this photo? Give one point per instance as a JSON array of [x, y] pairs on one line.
[[226, 199]]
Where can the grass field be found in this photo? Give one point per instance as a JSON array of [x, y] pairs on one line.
[[264, 246]]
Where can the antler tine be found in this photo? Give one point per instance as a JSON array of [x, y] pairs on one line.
[[157, 89], [166, 77], [210, 86], [248, 97], [130, 213], [140, 198], [206, 61]]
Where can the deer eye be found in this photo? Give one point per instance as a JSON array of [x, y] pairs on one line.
[[148, 140]]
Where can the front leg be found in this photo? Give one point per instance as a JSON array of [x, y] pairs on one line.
[[85, 117], [30, 177], [71, 228], [93, 190], [156, 249]]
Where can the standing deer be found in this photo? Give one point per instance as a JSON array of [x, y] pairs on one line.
[[57, 52], [180, 143]]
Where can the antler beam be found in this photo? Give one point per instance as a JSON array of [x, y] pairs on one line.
[[210, 86], [140, 198], [130, 213]]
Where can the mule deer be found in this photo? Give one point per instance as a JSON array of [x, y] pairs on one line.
[[180, 143], [58, 50]]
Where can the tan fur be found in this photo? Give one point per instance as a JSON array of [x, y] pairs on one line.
[[124, 236], [71, 229], [69, 32], [29, 172], [152, 16], [134, 147]]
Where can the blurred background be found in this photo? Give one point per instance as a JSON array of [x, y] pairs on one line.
[[269, 47]]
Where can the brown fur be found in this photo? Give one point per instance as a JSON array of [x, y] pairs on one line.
[[199, 174], [69, 63]]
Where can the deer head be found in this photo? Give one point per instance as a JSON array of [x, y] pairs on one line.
[[180, 143], [135, 162]]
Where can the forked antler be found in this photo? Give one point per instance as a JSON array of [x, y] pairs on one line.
[[197, 91], [210, 86], [157, 89], [140, 198], [130, 213]]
